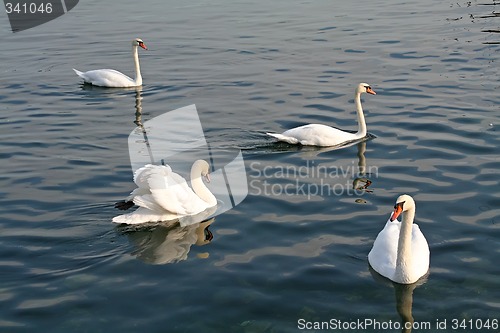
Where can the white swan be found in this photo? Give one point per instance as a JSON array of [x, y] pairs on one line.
[[400, 251], [163, 195], [324, 136], [114, 79]]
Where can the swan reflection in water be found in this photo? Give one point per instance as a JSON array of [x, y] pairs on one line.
[[361, 177], [362, 181], [404, 297], [167, 243]]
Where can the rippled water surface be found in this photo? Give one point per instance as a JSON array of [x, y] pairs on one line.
[[296, 248]]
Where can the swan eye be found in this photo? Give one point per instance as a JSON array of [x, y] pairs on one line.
[[399, 204]]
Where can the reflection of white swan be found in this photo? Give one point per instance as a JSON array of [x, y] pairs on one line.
[[361, 182], [400, 251], [163, 195], [322, 135], [404, 304], [404, 298], [112, 78], [169, 243]]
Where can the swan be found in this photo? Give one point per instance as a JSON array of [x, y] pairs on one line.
[[114, 79], [164, 195], [400, 251], [324, 136]]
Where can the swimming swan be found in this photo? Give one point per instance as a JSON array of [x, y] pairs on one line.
[[400, 251], [114, 79], [324, 136], [164, 195]]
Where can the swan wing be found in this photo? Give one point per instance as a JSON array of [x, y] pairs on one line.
[[420, 251], [141, 180], [141, 175], [137, 192], [173, 194], [148, 201], [382, 256], [106, 78], [315, 135]]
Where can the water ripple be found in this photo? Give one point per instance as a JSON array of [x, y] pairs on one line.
[[251, 69]]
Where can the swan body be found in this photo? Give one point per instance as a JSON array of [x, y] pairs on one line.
[[400, 251], [112, 78], [325, 136], [164, 195]]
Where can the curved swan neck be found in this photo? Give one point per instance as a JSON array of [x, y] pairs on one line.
[[404, 255], [200, 188], [361, 133], [138, 77]]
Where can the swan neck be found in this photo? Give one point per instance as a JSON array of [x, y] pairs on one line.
[[361, 117], [404, 255], [200, 188], [138, 77]]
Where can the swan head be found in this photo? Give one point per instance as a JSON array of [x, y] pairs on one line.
[[203, 233], [138, 42], [365, 88], [201, 167], [403, 203]]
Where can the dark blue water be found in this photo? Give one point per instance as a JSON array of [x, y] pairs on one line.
[[296, 248]]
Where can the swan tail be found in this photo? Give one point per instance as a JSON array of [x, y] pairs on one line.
[[130, 218], [80, 74], [283, 138], [121, 219], [142, 175], [143, 215]]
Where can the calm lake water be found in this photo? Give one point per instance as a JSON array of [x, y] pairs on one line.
[[281, 258]]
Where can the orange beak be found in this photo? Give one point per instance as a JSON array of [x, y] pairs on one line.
[[397, 211], [143, 46], [370, 91]]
